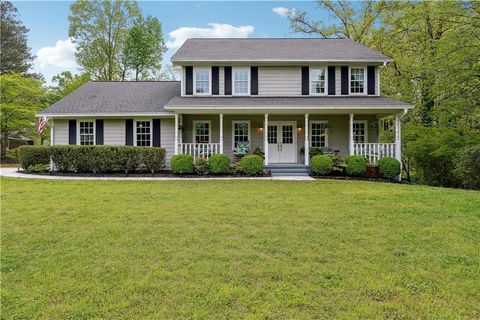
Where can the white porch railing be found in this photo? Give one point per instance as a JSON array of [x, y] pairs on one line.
[[374, 151], [196, 150]]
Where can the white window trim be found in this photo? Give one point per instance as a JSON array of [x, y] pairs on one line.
[[365, 123], [209, 81], [364, 93], [209, 131], [249, 131], [310, 131], [135, 131], [249, 81], [310, 81], [94, 130]]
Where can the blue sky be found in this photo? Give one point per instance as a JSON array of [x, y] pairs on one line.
[[48, 24]]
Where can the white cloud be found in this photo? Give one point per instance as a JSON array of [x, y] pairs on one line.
[[283, 12], [61, 55], [216, 30]]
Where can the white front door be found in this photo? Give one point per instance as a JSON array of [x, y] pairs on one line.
[[282, 142]]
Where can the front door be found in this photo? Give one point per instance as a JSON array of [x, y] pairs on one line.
[[282, 142]]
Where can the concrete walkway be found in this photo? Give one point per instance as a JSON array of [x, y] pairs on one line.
[[13, 173]]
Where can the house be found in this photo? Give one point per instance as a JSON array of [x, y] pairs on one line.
[[282, 96]]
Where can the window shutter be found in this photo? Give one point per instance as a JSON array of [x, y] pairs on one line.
[[371, 79], [189, 80], [344, 78], [156, 132], [228, 81], [98, 131], [254, 81], [215, 80], [305, 81], [331, 81], [129, 132], [72, 131]]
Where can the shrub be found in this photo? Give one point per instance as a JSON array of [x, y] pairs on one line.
[[219, 164], [250, 165], [127, 158], [321, 165], [202, 166], [33, 155], [38, 168], [182, 164], [61, 158], [356, 165], [389, 167], [152, 158], [467, 167], [314, 151], [101, 159]]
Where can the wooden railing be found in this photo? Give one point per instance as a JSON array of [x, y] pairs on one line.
[[204, 150], [374, 151]]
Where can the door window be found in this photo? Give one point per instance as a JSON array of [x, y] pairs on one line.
[[287, 134], [272, 134]]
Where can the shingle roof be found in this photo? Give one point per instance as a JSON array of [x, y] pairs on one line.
[[100, 97], [266, 50]]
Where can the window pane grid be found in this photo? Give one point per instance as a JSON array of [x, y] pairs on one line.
[[143, 133], [202, 81], [357, 77], [319, 135], [86, 133], [272, 134], [240, 79], [202, 132], [287, 134], [359, 132], [240, 133], [317, 80]]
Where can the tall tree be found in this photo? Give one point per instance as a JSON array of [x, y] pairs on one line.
[[99, 29], [15, 55], [66, 83]]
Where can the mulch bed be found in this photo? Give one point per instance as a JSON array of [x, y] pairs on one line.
[[162, 174], [359, 178]]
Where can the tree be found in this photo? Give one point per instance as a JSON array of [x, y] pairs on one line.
[[99, 28], [14, 51], [169, 73], [67, 83], [144, 48]]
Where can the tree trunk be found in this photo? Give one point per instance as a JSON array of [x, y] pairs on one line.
[[3, 145]]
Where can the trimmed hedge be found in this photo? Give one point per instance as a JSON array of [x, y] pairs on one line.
[[182, 164], [356, 165], [389, 167], [250, 165], [33, 156], [219, 164], [321, 165]]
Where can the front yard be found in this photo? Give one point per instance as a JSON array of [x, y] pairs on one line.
[[238, 249]]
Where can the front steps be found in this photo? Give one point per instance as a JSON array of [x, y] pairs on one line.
[[288, 170]]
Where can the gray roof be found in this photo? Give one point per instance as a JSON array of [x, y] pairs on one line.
[[117, 97], [271, 50]]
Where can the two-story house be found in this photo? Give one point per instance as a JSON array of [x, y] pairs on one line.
[[282, 96]]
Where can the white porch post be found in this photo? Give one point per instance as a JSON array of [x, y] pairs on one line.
[[180, 133], [307, 144], [176, 133], [265, 139], [221, 133], [398, 143], [52, 141], [350, 135]]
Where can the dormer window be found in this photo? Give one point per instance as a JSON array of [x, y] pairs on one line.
[[202, 80], [357, 80], [241, 81], [317, 80]]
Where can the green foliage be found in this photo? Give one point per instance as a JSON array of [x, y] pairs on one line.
[[321, 165], [314, 151], [127, 158], [101, 158], [258, 152], [202, 166], [356, 165], [38, 168], [467, 167], [33, 155], [182, 164], [153, 158], [250, 165], [389, 167], [219, 164], [67, 83]]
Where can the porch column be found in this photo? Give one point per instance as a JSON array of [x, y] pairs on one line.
[[350, 135], [398, 143], [265, 139], [52, 141], [176, 134], [307, 144], [180, 133], [221, 133]]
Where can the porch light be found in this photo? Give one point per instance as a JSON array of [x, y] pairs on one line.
[[299, 128], [260, 129]]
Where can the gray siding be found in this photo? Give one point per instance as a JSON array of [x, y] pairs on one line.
[[60, 131], [114, 132], [279, 81], [167, 137]]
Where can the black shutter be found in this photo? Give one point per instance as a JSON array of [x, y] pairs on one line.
[[331, 81], [371, 79], [129, 132], [215, 81], [156, 132], [72, 131], [228, 81], [98, 131], [344, 75], [189, 80], [254, 81], [305, 81]]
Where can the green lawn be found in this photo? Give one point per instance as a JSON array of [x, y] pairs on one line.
[[238, 249]]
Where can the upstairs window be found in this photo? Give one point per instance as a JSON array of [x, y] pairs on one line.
[[241, 81], [318, 134], [317, 80], [357, 80], [360, 132], [143, 133], [202, 80], [201, 131], [86, 133]]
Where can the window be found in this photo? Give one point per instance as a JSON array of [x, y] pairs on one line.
[[143, 133], [272, 135], [241, 132], [201, 131], [357, 80], [86, 132], [360, 132], [318, 134], [317, 80], [202, 80], [241, 81]]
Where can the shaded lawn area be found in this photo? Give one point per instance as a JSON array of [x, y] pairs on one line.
[[238, 249]]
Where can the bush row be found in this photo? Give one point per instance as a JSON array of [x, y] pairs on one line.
[[250, 165]]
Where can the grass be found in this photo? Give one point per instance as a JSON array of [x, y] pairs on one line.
[[238, 249]]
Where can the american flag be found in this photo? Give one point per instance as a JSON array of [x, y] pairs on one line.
[[42, 123]]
